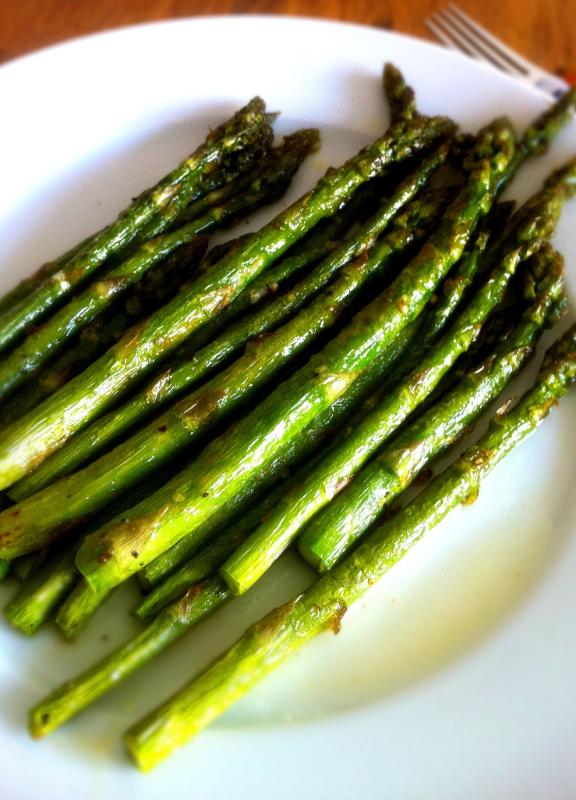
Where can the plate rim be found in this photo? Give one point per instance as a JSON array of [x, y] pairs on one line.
[[123, 30]]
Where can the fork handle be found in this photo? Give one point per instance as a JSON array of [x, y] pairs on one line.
[[556, 86]]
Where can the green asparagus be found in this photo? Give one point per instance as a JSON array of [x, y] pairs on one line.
[[173, 382], [171, 623], [219, 478], [400, 96], [167, 199], [78, 608], [312, 440], [50, 337], [334, 530], [267, 643], [156, 288], [266, 543], [82, 605], [34, 604], [30, 440], [44, 514]]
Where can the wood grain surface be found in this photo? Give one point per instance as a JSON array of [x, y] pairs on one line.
[[543, 30]]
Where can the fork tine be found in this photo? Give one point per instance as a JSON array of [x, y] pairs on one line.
[[468, 44], [522, 65], [441, 36]]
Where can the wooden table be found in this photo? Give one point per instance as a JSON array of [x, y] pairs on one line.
[[543, 30]]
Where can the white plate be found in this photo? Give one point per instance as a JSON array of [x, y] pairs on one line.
[[455, 677]]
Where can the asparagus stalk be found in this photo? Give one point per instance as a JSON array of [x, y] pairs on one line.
[[267, 542], [52, 581], [35, 436], [169, 584], [78, 608], [99, 436], [217, 481], [34, 604], [267, 643], [41, 516], [539, 134], [334, 530], [157, 287], [168, 198], [89, 443], [51, 337], [172, 623], [83, 603], [233, 166], [321, 607], [199, 568], [312, 440], [400, 96], [435, 320]]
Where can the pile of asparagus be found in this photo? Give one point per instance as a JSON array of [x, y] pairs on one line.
[[184, 415]]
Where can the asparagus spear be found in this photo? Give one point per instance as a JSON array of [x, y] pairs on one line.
[[312, 440], [36, 602], [166, 628], [157, 287], [235, 164], [53, 580], [267, 643], [199, 568], [539, 134], [266, 543], [89, 443], [541, 131], [434, 321], [44, 430], [319, 608], [218, 479], [168, 198], [78, 608], [51, 337], [334, 530], [205, 562], [41, 516], [400, 96], [173, 382]]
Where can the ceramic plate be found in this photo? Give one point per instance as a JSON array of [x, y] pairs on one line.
[[455, 677]]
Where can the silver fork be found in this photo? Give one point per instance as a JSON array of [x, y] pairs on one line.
[[459, 32]]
